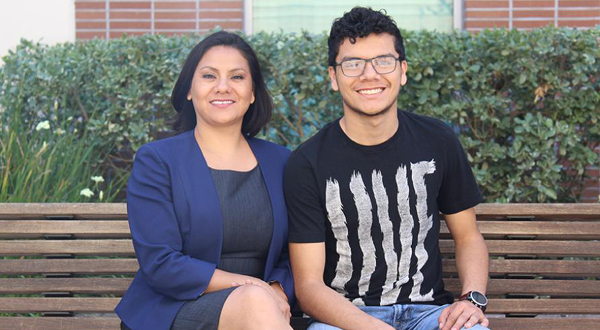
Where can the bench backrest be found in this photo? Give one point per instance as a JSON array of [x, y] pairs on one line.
[[72, 260]]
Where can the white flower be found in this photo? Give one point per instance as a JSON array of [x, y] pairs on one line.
[[86, 192], [70, 118], [59, 131], [97, 179], [101, 195], [43, 125], [55, 105]]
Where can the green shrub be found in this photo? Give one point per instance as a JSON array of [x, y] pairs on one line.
[[524, 104], [55, 162]]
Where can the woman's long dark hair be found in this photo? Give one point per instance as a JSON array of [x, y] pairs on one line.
[[258, 113]]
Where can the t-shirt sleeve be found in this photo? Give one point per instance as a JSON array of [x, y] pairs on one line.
[[305, 211], [459, 190]]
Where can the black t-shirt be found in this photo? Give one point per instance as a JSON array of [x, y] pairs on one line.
[[377, 208]]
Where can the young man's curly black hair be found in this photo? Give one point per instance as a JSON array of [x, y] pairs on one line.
[[361, 22]]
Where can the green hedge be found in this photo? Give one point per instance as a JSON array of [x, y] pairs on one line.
[[525, 104]]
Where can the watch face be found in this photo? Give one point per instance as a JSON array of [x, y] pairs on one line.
[[479, 298]]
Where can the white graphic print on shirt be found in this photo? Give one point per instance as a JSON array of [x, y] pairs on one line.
[[343, 270], [397, 272]]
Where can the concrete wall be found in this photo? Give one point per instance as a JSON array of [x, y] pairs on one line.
[[47, 21]]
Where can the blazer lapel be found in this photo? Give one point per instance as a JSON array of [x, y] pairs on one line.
[[272, 172], [206, 220]]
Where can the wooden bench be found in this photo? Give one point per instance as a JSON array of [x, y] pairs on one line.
[[64, 266]]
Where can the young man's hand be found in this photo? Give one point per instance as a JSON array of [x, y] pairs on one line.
[[461, 313]]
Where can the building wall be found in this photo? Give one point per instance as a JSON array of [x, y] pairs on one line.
[[113, 18], [526, 15], [50, 22]]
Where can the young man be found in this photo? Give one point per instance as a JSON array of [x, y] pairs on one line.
[[364, 196]]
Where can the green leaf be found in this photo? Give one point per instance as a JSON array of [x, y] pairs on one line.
[[475, 67], [548, 192]]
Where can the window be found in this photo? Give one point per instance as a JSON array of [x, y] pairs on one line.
[[317, 16]]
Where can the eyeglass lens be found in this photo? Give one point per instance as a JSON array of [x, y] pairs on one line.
[[355, 67]]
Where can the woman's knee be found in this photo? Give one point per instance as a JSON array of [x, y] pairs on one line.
[[252, 296], [252, 306], [255, 302]]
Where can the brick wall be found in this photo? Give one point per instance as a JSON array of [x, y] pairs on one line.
[[526, 15], [591, 192], [112, 18]]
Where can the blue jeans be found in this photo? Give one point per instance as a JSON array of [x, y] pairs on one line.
[[402, 317]]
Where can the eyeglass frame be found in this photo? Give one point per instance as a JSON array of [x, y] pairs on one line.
[[368, 60]]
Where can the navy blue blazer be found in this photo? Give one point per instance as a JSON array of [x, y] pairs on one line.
[[176, 227]]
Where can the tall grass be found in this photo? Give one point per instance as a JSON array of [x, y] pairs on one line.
[[57, 161]]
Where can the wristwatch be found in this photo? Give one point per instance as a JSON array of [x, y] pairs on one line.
[[476, 298]]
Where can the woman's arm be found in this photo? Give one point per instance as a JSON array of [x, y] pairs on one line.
[[155, 232]]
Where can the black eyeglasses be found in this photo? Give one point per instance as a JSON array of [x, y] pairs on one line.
[[355, 67]]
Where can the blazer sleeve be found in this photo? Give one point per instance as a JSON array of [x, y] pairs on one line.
[[155, 231], [282, 273]]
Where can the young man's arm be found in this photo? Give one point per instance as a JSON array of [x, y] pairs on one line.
[[472, 263], [320, 301]]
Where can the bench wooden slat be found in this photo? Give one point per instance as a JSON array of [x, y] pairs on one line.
[[119, 210], [118, 286], [571, 230], [79, 228], [579, 268], [75, 266], [554, 210], [120, 229], [107, 305], [555, 288], [544, 306], [112, 323], [571, 323], [74, 285], [62, 323], [77, 210], [553, 323], [76, 305], [108, 247], [534, 247], [125, 247]]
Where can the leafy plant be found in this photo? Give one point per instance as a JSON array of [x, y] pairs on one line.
[[53, 162], [525, 105]]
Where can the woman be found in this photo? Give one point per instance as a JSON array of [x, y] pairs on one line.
[[206, 207]]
